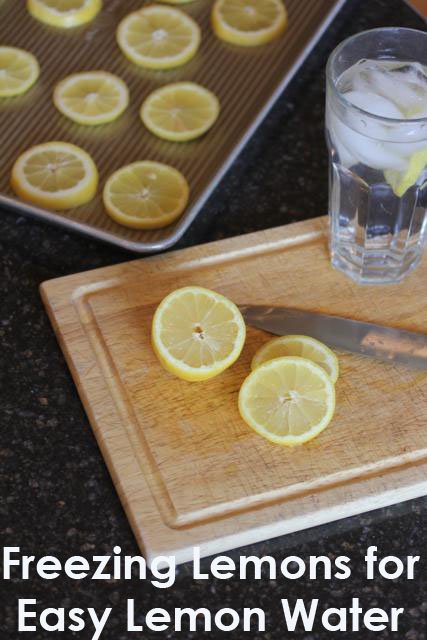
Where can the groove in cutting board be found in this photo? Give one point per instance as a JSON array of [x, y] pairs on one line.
[[187, 468]]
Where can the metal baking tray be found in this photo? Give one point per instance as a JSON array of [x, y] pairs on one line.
[[246, 80]]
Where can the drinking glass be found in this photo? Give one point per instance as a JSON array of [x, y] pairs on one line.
[[378, 165]]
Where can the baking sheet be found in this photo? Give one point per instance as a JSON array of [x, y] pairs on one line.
[[246, 80]]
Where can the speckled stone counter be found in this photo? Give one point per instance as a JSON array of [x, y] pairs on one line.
[[56, 496]]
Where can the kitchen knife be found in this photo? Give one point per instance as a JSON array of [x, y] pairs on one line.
[[393, 345]]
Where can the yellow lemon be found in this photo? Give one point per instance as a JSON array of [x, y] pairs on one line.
[[91, 98], [181, 111], [288, 400], [64, 13], [146, 195], [19, 70], [400, 182], [197, 333], [249, 22], [158, 37], [56, 175], [302, 346]]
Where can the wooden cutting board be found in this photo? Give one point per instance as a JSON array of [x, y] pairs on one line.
[[187, 469]]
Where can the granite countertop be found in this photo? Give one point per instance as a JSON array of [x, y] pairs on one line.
[[56, 496]]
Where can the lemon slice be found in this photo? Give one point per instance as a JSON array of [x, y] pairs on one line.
[[146, 195], [57, 175], [158, 37], [91, 98], [197, 333], [302, 346], [249, 22], [181, 111], [64, 13], [19, 70], [400, 182], [288, 400]]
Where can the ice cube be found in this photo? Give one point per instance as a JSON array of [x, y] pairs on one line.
[[374, 153], [344, 156], [385, 131], [404, 84], [374, 103]]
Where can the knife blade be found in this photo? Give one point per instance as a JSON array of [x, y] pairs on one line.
[[386, 343]]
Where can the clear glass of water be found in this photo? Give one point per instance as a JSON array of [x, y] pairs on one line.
[[376, 127]]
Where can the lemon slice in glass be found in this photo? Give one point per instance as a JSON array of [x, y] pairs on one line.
[[249, 22], [400, 182], [64, 13], [197, 333], [302, 346], [288, 400], [56, 175], [146, 195], [19, 70], [91, 98], [181, 111], [158, 37]]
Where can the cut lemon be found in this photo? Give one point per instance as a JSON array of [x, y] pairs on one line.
[[146, 195], [288, 400], [57, 175], [64, 13], [302, 346], [158, 37], [181, 111], [197, 333], [91, 98], [400, 182], [249, 22], [19, 70]]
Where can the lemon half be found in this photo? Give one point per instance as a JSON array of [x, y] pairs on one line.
[[197, 333]]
